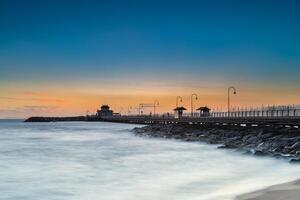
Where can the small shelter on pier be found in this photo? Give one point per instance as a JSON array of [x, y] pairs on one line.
[[104, 111], [179, 111], [204, 111]]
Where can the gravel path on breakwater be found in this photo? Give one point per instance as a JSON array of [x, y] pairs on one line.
[[261, 141]]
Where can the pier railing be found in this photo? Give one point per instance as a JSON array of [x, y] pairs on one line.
[[265, 112]]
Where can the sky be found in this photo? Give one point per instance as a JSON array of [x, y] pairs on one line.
[[64, 58]]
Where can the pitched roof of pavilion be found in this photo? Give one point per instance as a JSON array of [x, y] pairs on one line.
[[205, 108], [179, 108], [104, 107]]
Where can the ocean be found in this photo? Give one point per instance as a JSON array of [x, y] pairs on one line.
[[106, 161]]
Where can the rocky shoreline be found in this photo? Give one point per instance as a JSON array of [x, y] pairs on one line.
[[261, 141]]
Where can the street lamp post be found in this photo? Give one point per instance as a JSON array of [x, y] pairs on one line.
[[177, 98], [192, 107], [121, 110], [234, 92], [140, 105], [128, 109], [156, 103]]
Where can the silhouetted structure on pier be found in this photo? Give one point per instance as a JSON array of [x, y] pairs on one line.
[[204, 111], [179, 111], [104, 111]]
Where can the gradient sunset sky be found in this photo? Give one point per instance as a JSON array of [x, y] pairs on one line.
[[62, 58]]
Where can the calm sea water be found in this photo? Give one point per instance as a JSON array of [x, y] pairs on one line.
[[105, 161]]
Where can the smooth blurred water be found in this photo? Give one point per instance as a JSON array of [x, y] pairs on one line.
[[105, 161]]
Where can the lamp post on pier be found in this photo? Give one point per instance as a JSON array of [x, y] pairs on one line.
[[192, 106], [234, 92], [156, 103], [177, 98], [140, 106], [128, 110], [121, 110]]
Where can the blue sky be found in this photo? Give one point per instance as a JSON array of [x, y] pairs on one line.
[[250, 43], [138, 37]]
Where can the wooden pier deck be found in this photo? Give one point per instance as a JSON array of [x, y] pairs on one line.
[[254, 121]]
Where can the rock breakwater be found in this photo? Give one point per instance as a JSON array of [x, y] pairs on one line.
[[274, 141]]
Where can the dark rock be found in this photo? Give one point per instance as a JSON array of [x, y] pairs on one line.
[[248, 152], [296, 146], [227, 146], [259, 153], [295, 161]]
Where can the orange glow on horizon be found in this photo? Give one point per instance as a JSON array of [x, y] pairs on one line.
[[19, 102]]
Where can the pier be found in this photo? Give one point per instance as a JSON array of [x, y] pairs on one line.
[[288, 116], [269, 116]]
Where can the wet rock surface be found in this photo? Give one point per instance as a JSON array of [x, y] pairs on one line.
[[260, 141]]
